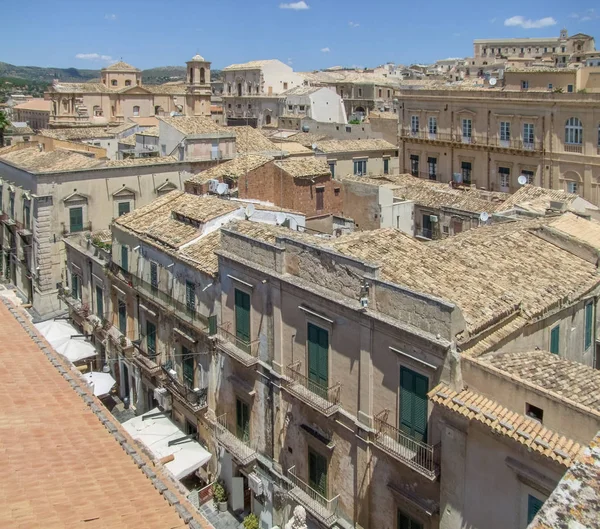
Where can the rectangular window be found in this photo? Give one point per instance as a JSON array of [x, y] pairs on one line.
[[190, 296], [154, 276], [26, 215], [524, 85], [242, 420], [414, 164], [11, 205], [75, 219], [318, 360], [528, 133], [386, 166], [432, 168], [151, 338], [320, 194], [406, 522], [360, 167], [570, 88], [124, 207], [534, 412], [427, 230], [75, 287], [432, 125], [379, 93], [317, 472], [242, 319], [99, 302], [122, 308], [504, 131], [466, 170], [533, 506], [555, 340], [360, 92], [125, 258], [529, 175], [413, 404], [549, 86], [187, 365], [332, 169], [572, 187], [589, 325], [467, 129], [504, 173], [414, 124]]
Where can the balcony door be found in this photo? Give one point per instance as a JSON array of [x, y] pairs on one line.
[[318, 360], [187, 367], [242, 420], [99, 302], [122, 316], [317, 472], [242, 319], [413, 404]]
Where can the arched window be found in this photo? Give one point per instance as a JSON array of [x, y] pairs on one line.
[[573, 132], [191, 76], [202, 75], [136, 110], [113, 82], [127, 82], [267, 119]]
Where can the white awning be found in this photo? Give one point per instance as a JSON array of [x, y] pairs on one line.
[[156, 431], [59, 335]]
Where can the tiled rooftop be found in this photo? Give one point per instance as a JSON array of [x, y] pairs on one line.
[[304, 167], [251, 65], [61, 466], [584, 230], [232, 169], [37, 104], [34, 160], [564, 379], [193, 125], [575, 502], [136, 162], [293, 147], [536, 199], [502, 421], [332, 146], [150, 121], [490, 273], [120, 66], [150, 131], [249, 140], [86, 133]]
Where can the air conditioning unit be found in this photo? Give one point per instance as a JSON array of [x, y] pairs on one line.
[[212, 185], [163, 398], [255, 484], [433, 218]]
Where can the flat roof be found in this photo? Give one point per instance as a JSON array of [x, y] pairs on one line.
[[61, 466]]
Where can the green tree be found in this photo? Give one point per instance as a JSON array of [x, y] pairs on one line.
[[3, 126]]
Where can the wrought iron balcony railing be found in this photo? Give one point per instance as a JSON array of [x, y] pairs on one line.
[[241, 350], [240, 447], [323, 399], [324, 509], [196, 399]]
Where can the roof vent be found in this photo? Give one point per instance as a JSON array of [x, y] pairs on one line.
[[558, 205]]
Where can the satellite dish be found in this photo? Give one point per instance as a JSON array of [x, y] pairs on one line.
[[280, 218], [221, 188], [493, 81], [314, 146], [522, 179], [293, 224], [484, 217], [172, 114], [249, 210]]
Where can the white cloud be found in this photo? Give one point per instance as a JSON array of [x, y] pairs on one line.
[[297, 6], [110, 16], [325, 50], [353, 24], [93, 57], [585, 16], [527, 23]]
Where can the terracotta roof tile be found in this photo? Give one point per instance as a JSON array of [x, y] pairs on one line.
[[332, 146], [305, 167], [249, 140], [34, 160], [193, 125], [61, 466], [232, 169]]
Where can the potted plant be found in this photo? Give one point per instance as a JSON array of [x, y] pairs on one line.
[[251, 521], [220, 496], [123, 341], [106, 324]]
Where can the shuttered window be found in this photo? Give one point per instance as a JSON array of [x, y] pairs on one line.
[[190, 296], [124, 207], [242, 319], [555, 340], [99, 302], [151, 338], [533, 506], [413, 404], [406, 522], [242, 420], [122, 316], [154, 275], [589, 325], [74, 286], [125, 258], [318, 360], [75, 219], [188, 367], [317, 472]]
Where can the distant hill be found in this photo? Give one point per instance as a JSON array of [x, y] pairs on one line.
[[159, 75]]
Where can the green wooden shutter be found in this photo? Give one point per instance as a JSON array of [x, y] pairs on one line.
[[124, 258], [151, 338], [318, 358], [190, 296], [555, 340], [188, 367], [124, 207], [317, 472], [122, 317], [413, 404], [405, 522], [533, 506], [153, 275], [242, 420], [75, 219], [242, 317], [74, 286], [589, 323]]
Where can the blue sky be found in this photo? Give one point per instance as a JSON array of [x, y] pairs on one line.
[[308, 34]]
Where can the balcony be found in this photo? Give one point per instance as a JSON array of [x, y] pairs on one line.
[[424, 233], [325, 400], [478, 140], [123, 342], [194, 399], [146, 364], [325, 510], [244, 451], [419, 456], [244, 352], [571, 147]]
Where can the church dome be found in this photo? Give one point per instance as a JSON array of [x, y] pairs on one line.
[[197, 57]]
